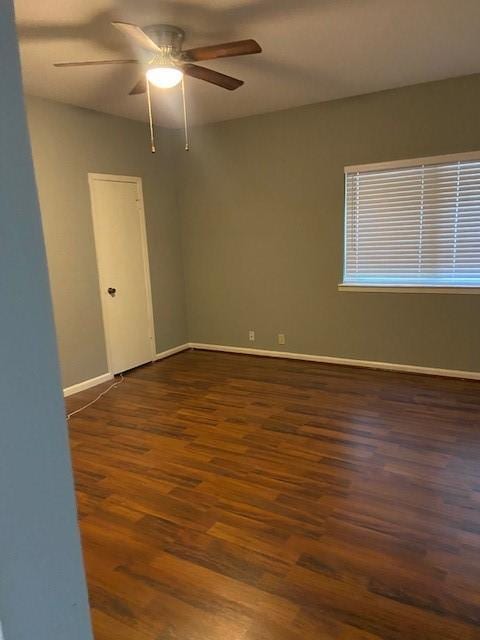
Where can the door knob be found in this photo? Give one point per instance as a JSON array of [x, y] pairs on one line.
[[112, 291]]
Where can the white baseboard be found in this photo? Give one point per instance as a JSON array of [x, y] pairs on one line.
[[87, 384], [92, 382], [172, 351], [369, 364]]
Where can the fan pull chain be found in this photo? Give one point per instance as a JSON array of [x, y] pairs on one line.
[[185, 121], [150, 119]]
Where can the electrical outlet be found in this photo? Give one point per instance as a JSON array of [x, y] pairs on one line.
[[281, 338], [251, 337]]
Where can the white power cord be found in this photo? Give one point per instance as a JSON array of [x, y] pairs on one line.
[[112, 386]]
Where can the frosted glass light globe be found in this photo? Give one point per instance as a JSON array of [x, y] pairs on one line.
[[164, 77]]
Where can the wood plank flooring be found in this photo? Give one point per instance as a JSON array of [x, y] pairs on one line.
[[229, 497]]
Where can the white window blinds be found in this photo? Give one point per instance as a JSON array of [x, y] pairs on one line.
[[414, 223]]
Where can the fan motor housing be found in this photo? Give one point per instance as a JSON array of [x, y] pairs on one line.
[[166, 35]]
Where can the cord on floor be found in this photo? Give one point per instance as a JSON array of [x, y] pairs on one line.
[[89, 404]]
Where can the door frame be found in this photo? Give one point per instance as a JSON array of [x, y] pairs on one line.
[[106, 177]]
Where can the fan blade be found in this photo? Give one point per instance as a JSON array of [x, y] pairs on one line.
[[140, 87], [240, 48], [137, 34], [90, 63], [209, 75]]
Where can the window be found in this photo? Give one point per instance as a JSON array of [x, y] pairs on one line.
[[413, 223]]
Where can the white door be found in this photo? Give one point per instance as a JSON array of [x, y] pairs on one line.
[[122, 257]]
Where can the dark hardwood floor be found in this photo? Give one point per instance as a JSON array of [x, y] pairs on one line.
[[228, 497]]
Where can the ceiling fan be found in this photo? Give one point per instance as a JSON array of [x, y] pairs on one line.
[[168, 63]]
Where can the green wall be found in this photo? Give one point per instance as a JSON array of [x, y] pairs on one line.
[[67, 144], [246, 229], [261, 200]]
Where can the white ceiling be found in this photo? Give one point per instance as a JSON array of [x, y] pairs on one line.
[[314, 50]]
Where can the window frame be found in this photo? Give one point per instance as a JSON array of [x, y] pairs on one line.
[[403, 288]]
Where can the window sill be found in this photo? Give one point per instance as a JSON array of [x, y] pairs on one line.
[[369, 288]]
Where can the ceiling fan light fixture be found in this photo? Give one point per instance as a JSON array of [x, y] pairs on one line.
[[164, 77], [168, 63]]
